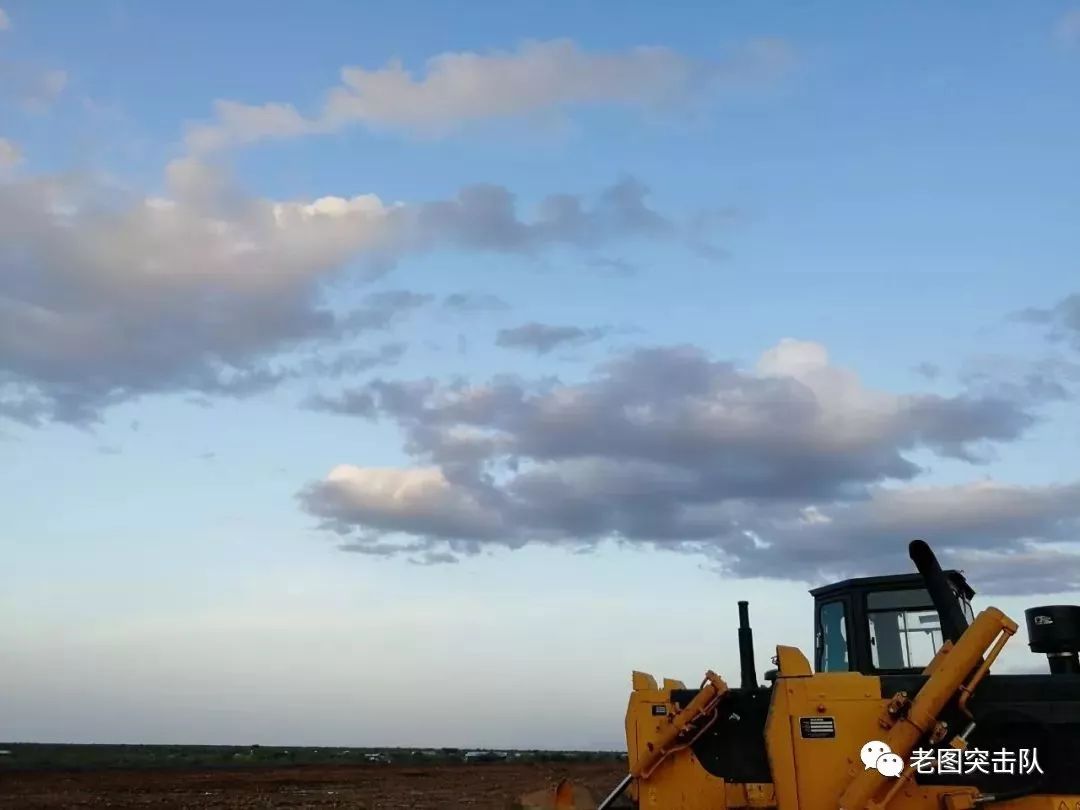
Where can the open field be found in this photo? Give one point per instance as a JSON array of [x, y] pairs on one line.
[[97, 778]]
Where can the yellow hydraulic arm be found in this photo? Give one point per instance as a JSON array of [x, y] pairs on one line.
[[953, 664], [680, 732]]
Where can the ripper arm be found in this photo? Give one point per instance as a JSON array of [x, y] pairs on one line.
[[957, 668]]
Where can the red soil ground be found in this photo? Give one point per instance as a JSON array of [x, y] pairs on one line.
[[487, 786]]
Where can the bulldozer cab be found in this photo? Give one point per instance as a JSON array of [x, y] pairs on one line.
[[878, 625]]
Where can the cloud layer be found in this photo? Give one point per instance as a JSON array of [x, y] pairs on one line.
[[461, 88], [794, 469], [106, 295]]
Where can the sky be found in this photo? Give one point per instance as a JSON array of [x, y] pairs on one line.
[[409, 375]]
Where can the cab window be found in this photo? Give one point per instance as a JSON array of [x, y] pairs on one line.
[[832, 638], [905, 629], [965, 605]]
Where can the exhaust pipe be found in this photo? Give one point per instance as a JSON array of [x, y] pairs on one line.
[[953, 621], [746, 648]]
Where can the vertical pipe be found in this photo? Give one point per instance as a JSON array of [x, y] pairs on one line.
[[746, 648], [1064, 663], [953, 621], [907, 640]]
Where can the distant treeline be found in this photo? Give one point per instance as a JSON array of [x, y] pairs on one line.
[[49, 756]]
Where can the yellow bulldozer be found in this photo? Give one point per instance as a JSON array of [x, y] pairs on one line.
[[899, 712]]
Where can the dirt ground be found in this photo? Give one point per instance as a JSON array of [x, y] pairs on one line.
[[487, 786]]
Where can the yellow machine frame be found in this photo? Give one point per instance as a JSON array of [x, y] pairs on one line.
[[818, 774]]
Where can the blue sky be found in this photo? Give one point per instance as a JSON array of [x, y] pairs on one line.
[[625, 296]]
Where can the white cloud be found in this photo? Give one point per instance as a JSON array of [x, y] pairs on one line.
[[145, 294], [460, 88], [5, 21], [10, 154], [418, 501], [238, 124]]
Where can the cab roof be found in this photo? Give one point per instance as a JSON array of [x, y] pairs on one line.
[[892, 582]]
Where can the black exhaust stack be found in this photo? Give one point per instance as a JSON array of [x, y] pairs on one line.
[[953, 621], [1054, 631], [746, 648]]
